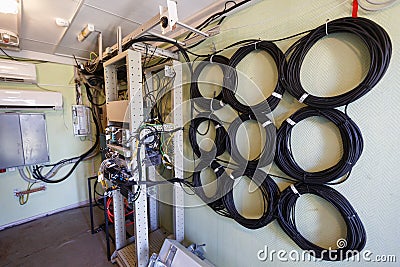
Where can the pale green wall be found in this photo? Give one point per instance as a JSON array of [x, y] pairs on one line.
[[62, 144], [333, 65]]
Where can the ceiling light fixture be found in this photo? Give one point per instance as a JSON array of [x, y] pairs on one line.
[[89, 28], [9, 6]]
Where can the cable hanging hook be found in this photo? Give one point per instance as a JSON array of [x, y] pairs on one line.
[[255, 44], [326, 26]]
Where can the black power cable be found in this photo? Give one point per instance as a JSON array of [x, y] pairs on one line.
[[270, 193], [352, 142], [267, 153], [195, 95], [215, 202], [375, 38], [231, 78], [356, 235], [206, 157], [93, 82], [37, 169]]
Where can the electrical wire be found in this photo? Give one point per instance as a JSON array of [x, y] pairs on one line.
[[214, 202], [352, 143], [355, 237], [219, 146], [270, 194], [215, 16], [267, 152], [375, 38], [93, 83], [195, 95], [373, 6], [37, 174], [231, 78]]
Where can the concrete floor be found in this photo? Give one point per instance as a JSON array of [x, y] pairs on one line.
[[62, 239]]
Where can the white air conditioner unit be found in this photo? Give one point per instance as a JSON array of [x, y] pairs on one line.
[[14, 71], [11, 99]]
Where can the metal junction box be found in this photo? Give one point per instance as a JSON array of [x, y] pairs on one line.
[[23, 139]]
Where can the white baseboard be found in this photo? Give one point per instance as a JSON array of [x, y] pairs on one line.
[[29, 219]]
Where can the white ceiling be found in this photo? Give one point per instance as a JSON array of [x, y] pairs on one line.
[[38, 31]]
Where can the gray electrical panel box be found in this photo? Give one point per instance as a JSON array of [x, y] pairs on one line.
[[23, 139]]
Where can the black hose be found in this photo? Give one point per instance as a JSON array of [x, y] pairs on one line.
[[352, 143], [207, 104], [267, 153], [270, 193], [231, 78], [355, 237], [380, 50]]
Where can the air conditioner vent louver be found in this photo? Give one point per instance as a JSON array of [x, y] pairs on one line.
[[14, 80]]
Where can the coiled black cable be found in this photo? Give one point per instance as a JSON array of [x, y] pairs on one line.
[[356, 235], [352, 142], [380, 50], [269, 191], [267, 153], [206, 157], [215, 201], [207, 104], [231, 78]]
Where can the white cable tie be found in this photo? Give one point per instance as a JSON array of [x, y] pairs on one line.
[[232, 177], [265, 124], [294, 189], [218, 126], [255, 44], [221, 103], [290, 121], [326, 26], [216, 169], [211, 58], [277, 95], [303, 97]]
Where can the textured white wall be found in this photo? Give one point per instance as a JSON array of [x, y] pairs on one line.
[[333, 66]]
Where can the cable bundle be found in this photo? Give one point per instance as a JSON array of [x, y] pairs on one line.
[[267, 154], [375, 38], [223, 182], [270, 193], [195, 95], [219, 143], [351, 139], [231, 79], [356, 235]]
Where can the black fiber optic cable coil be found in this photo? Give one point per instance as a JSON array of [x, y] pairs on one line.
[[215, 201], [231, 78], [270, 193], [375, 38], [207, 104], [206, 157], [356, 234], [352, 142], [267, 154]]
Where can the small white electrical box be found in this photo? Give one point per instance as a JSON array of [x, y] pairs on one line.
[[81, 120]]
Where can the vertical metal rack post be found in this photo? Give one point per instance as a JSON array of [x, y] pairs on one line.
[[178, 193], [135, 116]]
